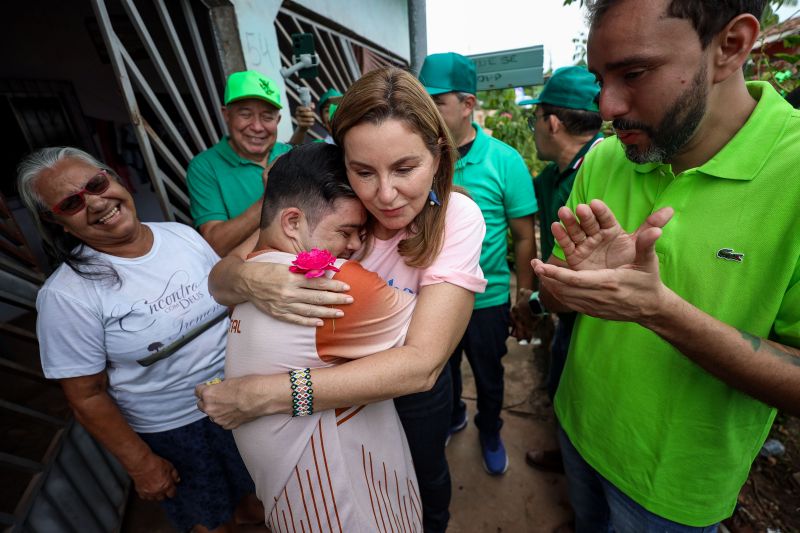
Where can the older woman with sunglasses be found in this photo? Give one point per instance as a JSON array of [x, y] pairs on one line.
[[126, 324]]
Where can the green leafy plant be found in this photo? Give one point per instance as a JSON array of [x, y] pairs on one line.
[[509, 123], [782, 70]]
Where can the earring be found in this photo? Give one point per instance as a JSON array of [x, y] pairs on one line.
[[434, 200]]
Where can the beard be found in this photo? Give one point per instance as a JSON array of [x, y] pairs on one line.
[[678, 126]]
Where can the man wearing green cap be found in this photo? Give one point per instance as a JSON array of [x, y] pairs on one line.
[[497, 179], [566, 124], [226, 182]]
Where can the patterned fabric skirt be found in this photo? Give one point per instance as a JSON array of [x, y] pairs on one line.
[[213, 477]]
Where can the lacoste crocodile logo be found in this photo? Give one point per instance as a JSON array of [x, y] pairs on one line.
[[729, 255]]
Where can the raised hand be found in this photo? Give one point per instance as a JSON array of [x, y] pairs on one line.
[[612, 274], [595, 240], [305, 117]]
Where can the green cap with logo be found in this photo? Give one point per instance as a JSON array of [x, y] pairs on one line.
[[252, 84], [570, 87], [331, 95], [447, 73]]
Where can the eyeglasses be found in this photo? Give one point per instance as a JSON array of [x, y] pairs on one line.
[[533, 118], [75, 202]]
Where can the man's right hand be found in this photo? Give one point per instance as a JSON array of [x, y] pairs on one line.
[[155, 478]]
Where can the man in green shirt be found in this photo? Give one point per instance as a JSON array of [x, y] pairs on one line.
[[496, 177], [566, 124], [226, 182], [686, 274]]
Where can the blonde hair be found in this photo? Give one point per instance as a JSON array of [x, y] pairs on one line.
[[392, 93]]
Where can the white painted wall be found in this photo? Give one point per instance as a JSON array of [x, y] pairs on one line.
[[256, 20], [384, 22]]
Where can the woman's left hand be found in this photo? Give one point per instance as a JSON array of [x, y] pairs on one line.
[[277, 292], [236, 401]]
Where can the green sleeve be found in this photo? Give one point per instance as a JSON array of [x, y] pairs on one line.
[[205, 195]]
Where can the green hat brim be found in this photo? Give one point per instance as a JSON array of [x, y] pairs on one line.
[[433, 91], [257, 97]]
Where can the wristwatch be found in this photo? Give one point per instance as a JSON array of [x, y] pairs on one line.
[[536, 305]]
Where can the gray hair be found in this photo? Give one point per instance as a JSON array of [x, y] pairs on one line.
[[32, 166], [60, 246]]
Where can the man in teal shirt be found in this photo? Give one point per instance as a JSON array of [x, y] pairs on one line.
[[566, 124], [686, 275], [495, 176], [226, 182]]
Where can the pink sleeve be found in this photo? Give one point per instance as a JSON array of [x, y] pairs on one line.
[[459, 261]]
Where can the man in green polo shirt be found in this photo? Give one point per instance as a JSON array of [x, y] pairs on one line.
[[497, 179], [226, 182], [686, 274], [566, 124]]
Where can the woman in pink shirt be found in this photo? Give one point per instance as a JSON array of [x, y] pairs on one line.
[[423, 237]]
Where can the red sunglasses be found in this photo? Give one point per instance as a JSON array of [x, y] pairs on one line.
[[75, 202]]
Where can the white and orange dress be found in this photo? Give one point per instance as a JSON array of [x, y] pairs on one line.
[[343, 470]]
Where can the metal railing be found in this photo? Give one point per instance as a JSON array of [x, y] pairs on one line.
[[343, 57], [188, 120]]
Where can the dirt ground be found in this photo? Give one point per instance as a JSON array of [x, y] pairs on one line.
[[770, 500]]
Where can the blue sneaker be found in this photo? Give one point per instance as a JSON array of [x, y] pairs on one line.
[[495, 459], [455, 427]]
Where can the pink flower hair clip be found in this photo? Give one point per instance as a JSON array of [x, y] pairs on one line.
[[314, 263]]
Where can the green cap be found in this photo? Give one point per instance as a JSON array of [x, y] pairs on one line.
[[331, 94], [571, 87], [252, 84], [447, 73], [332, 110]]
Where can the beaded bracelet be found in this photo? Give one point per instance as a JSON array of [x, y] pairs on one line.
[[302, 393]]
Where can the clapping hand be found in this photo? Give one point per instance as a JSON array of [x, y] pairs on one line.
[[610, 274]]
